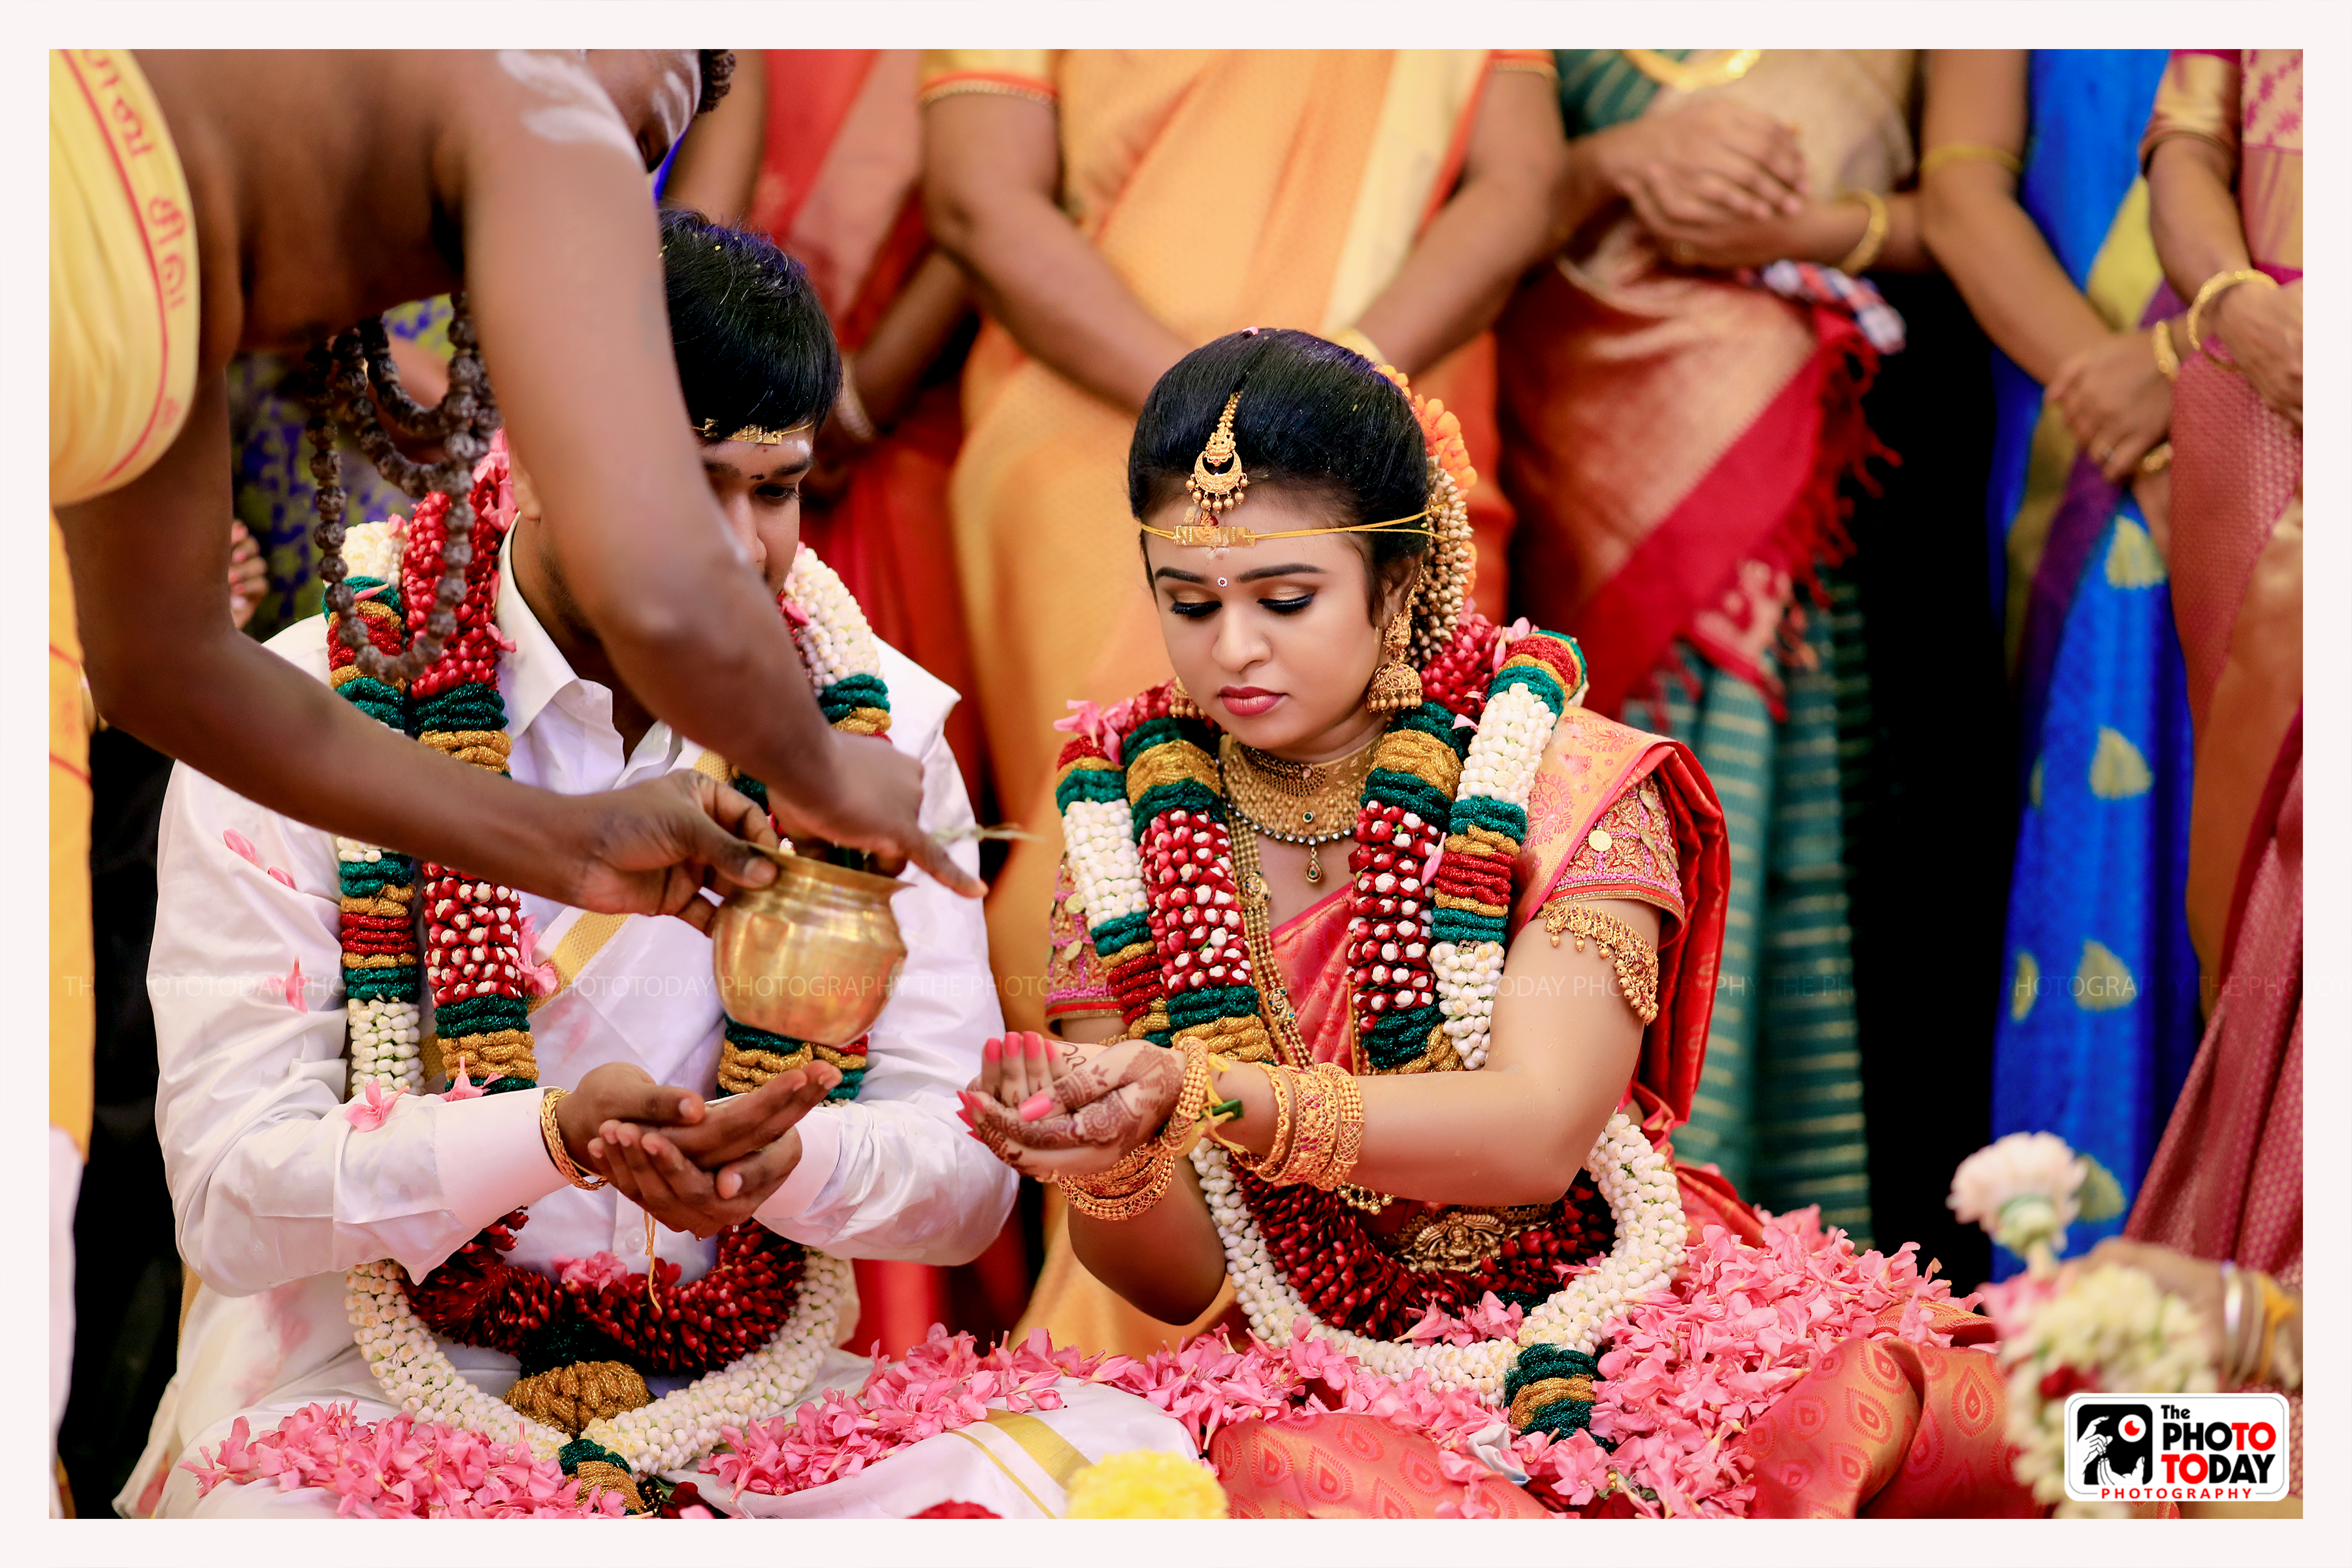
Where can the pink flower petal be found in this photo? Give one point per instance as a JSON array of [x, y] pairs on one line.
[[240, 846]]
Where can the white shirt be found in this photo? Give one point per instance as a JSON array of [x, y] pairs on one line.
[[274, 1191]]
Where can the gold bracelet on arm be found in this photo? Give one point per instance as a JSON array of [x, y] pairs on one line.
[[1937, 157], [586, 1180], [1873, 234], [1627, 951]]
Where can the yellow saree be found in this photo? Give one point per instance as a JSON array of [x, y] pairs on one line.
[[122, 367]]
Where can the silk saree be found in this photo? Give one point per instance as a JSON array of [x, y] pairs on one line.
[[1315, 171], [2099, 1015], [1674, 442], [2226, 1179]]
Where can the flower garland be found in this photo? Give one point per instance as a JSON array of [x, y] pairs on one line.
[[2111, 1329], [1635, 1180], [758, 1323]]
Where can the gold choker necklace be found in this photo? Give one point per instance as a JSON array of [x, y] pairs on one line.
[[1313, 804]]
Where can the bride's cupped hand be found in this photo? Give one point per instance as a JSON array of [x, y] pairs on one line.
[[1048, 1108]]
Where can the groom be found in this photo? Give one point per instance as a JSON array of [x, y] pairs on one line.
[[277, 1189]]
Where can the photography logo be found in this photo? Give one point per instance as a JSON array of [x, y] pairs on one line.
[[2177, 1447]]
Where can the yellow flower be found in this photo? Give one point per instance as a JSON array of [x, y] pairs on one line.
[[1144, 1483]]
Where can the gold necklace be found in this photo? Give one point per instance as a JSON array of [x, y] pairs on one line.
[[1684, 76], [1312, 804]]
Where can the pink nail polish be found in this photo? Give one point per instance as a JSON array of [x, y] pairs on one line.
[[992, 1052], [1037, 1106]]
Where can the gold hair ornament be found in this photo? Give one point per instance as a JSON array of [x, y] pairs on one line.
[[758, 434], [1216, 484]]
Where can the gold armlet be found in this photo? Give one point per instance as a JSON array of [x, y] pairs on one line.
[[1633, 958]]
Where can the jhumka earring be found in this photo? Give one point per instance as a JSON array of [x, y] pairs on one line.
[[1396, 685], [1180, 704]]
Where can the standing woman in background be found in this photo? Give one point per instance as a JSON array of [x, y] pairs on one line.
[[2224, 159], [1676, 435], [2032, 201]]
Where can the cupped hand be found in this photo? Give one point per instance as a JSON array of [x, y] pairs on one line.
[[873, 803], [2115, 401], [654, 1167], [1049, 1114], [2263, 330], [621, 1091], [1712, 162], [734, 1126], [651, 848]]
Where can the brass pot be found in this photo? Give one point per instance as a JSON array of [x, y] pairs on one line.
[[811, 955]]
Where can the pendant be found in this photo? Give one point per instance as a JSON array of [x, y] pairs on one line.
[[1314, 863]]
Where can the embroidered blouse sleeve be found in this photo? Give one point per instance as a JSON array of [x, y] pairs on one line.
[[1630, 853], [270, 1180], [1077, 986]]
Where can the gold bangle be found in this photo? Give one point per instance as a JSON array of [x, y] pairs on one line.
[[1277, 1151], [2215, 287], [1130, 1187], [2158, 457], [2168, 361], [1182, 1129], [1873, 234], [586, 1180], [1937, 157]]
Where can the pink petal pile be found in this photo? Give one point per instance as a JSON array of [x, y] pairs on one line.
[[398, 1468], [1690, 1367]]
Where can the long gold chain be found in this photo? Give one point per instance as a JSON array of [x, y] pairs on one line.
[[1684, 76], [1274, 992]]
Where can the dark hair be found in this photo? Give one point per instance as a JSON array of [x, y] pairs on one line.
[[752, 342], [717, 68], [1316, 420]]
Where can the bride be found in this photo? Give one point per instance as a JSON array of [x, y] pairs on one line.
[[1381, 971]]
